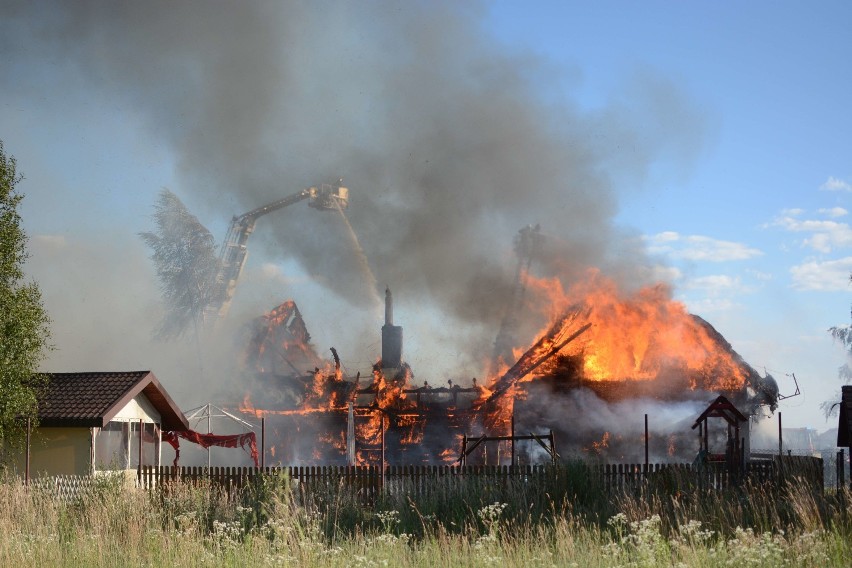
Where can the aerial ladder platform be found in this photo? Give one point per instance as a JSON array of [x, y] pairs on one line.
[[232, 257]]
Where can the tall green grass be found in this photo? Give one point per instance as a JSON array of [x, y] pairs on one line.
[[562, 521]]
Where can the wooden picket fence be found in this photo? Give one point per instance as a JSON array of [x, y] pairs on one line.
[[367, 482], [619, 477]]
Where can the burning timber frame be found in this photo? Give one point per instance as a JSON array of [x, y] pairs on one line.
[[475, 442], [469, 444]]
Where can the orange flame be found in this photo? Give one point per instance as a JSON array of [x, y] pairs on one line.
[[280, 342], [641, 336], [599, 446], [391, 401]]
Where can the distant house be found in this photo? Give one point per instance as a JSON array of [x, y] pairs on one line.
[[103, 421]]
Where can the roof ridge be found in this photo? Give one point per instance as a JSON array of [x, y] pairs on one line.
[[92, 398]]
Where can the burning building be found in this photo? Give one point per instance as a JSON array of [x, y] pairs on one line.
[[314, 410], [604, 357]]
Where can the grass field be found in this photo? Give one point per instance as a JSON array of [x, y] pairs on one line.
[[270, 525]]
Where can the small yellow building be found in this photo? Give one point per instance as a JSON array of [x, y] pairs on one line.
[[99, 421]]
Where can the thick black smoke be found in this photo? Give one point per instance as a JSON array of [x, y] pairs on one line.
[[449, 141]]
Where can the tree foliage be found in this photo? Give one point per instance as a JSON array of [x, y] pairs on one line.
[[843, 335], [183, 251], [24, 324]]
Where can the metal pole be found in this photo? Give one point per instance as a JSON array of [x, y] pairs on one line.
[[780, 445], [209, 431], [730, 456], [27, 465], [513, 437], [382, 417], [262, 442], [350, 435], [646, 443], [841, 470], [141, 425]]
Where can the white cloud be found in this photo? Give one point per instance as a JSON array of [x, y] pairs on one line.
[[713, 282], [825, 276], [711, 305], [699, 248], [836, 184], [706, 248], [820, 242], [718, 285], [834, 212], [719, 292], [826, 234], [758, 275], [666, 237]]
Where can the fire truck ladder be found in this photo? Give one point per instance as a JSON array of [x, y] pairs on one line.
[[232, 257]]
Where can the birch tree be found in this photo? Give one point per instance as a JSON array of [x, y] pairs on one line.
[[184, 254], [24, 323]]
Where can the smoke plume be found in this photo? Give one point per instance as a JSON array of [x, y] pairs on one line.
[[449, 141]]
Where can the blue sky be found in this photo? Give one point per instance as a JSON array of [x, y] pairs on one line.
[[756, 228], [734, 172]]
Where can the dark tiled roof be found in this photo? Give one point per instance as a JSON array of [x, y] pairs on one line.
[[93, 399]]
